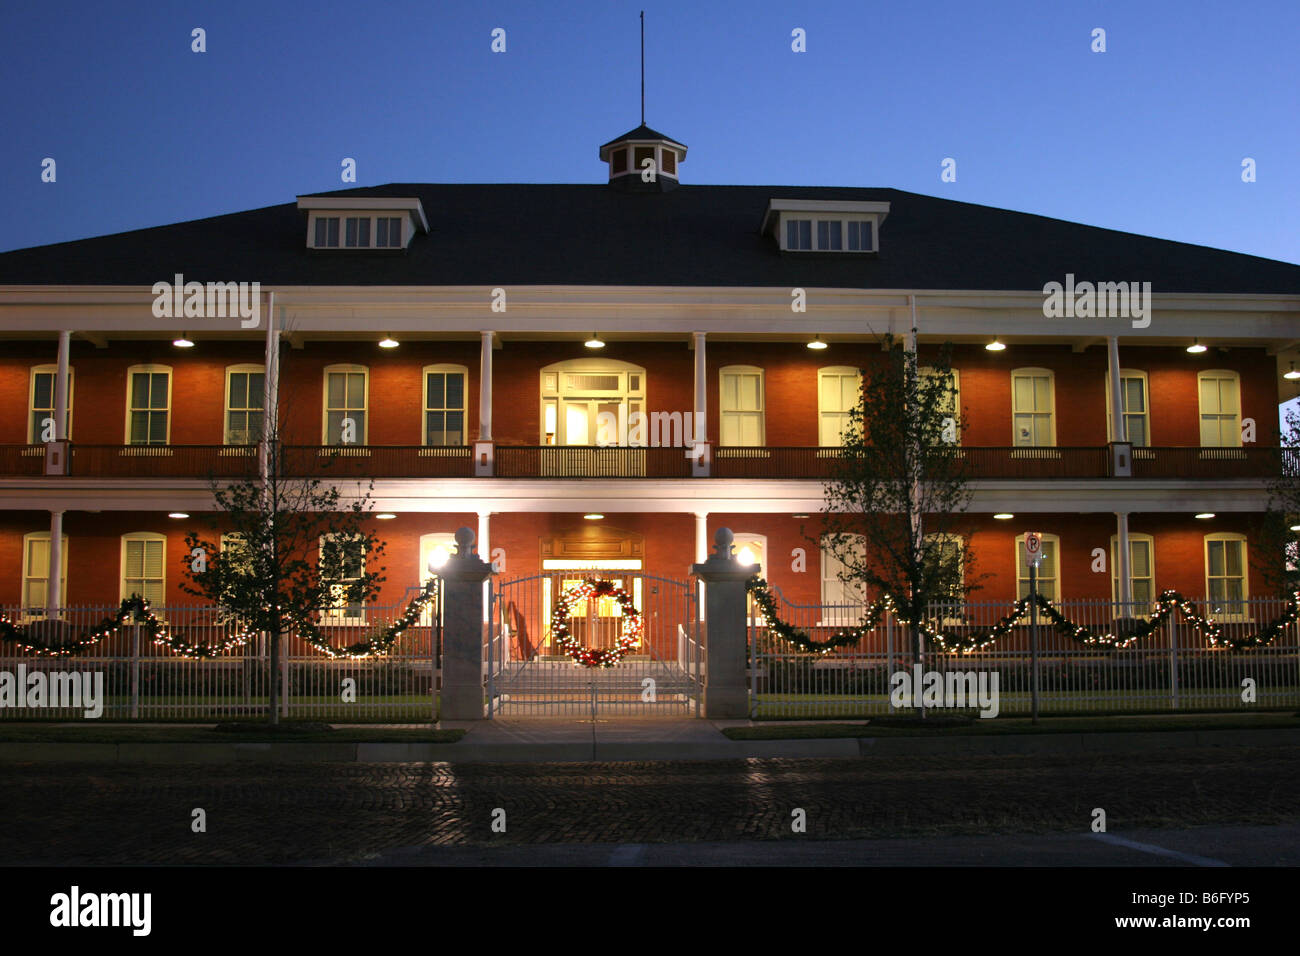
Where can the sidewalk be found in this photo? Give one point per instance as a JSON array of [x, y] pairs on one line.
[[574, 740]]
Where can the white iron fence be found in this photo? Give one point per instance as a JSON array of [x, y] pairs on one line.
[[1174, 668], [149, 681]]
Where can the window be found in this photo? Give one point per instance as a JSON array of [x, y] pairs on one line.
[[245, 396], [327, 232], [1133, 393], [1049, 579], [1141, 573], [357, 232], [148, 402], [741, 400], [843, 599], [346, 389], [40, 421], [143, 571], [1032, 403], [1225, 575], [340, 610], [860, 235], [620, 160], [235, 550], [388, 232], [837, 394], [951, 405], [1220, 409], [36, 572], [798, 233], [444, 404], [594, 401], [947, 553], [830, 235]]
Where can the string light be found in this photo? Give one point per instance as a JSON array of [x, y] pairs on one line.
[[629, 635]]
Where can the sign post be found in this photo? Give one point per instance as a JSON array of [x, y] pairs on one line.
[[1034, 554]]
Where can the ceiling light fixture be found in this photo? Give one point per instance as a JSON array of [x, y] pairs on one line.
[[388, 342], [385, 516], [817, 344], [594, 342], [177, 514], [1003, 516], [1205, 514], [995, 346], [593, 516], [183, 342], [1293, 374], [1196, 348]]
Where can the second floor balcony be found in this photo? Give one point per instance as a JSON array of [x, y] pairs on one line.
[[352, 462]]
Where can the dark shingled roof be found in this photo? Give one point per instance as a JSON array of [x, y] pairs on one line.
[[643, 132], [518, 234]]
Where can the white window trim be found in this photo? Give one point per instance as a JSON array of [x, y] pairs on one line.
[[33, 437], [464, 402], [1146, 404], [45, 573], [150, 370], [1055, 541], [762, 400], [1218, 373], [842, 218], [1051, 402], [325, 403], [837, 370], [125, 592], [1114, 565], [1245, 574], [231, 370], [343, 215]]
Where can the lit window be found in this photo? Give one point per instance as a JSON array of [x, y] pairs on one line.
[[837, 395], [40, 420], [36, 572], [444, 406], [1141, 572], [951, 404], [345, 405], [742, 406], [143, 570], [149, 400], [1133, 394], [1033, 403], [341, 610], [1220, 409], [245, 395], [1225, 575], [842, 597]]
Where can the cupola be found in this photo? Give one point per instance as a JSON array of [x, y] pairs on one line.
[[643, 160]]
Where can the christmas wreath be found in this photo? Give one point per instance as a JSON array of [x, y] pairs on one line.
[[628, 638]]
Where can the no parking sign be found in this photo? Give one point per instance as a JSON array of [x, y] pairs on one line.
[[1033, 548]]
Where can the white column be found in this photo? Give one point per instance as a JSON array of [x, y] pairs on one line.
[[61, 388], [1122, 571], [270, 388], [701, 394], [56, 563], [1117, 429], [484, 402], [701, 549], [485, 550]]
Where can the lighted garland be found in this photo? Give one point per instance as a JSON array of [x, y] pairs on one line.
[[134, 610], [629, 635], [378, 645], [1134, 630]]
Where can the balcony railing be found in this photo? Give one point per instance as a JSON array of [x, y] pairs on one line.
[[514, 461]]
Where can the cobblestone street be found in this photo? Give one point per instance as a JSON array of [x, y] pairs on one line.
[[323, 813]]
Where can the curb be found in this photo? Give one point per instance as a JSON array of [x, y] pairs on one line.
[[830, 748]]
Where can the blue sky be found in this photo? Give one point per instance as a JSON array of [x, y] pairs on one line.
[[1147, 137]]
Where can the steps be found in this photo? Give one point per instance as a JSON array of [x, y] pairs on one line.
[[544, 687]]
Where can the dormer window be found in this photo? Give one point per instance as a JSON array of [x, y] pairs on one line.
[[807, 225], [334, 223]]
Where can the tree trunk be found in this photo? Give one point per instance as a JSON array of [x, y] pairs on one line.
[[915, 629], [275, 672]]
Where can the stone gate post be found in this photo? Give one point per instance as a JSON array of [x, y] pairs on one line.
[[463, 575], [726, 691]]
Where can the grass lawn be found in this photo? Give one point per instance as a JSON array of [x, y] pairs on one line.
[[105, 733], [1023, 725]]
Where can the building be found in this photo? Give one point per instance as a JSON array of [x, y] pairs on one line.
[[490, 405]]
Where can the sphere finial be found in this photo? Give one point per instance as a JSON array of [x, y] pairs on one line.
[[464, 541]]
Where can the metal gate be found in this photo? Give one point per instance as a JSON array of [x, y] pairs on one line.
[[529, 676]]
